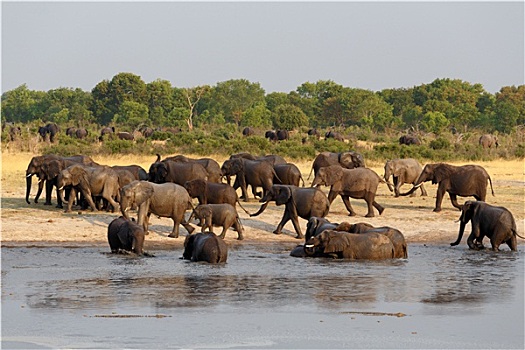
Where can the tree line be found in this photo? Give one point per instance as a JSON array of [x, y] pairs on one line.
[[127, 101]]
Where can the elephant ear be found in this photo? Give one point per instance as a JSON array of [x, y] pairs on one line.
[[334, 173], [54, 168], [79, 175], [399, 169], [237, 165], [143, 191], [336, 243], [203, 211], [441, 172], [124, 236], [285, 193]]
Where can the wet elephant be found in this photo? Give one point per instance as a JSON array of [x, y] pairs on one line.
[[316, 225], [205, 246], [403, 171], [125, 235], [348, 160], [224, 215], [464, 181]]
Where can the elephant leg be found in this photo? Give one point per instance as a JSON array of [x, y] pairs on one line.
[[397, 185], [379, 208], [175, 232], [59, 200], [346, 201], [454, 200], [89, 199], [512, 242], [332, 195], [39, 191], [297, 227], [49, 191], [284, 220], [223, 233], [439, 197], [237, 226], [72, 195], [423, 191]]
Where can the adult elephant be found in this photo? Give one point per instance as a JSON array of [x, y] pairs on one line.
[[139, 173], [70, 131], [248, 131], [125, 236], [146, 131], [47, 176], [316, 225], [278, 135], [334, 135], [256, 173], [14, 133], [403, 171], [409, 140], [124, 135], [348, 160], [342, 245], [496, 223], [108, 130], [205, 246], [287, 174], [81, 133], [304, 202], [176, 172], [90, 181], [464, 181], [51, 129], [314, 133], [212, 193], [164, 200], [212, 167], [223, 214], [359, 183], [488, 140]]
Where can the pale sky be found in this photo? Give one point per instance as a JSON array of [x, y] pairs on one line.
[[368, 45]]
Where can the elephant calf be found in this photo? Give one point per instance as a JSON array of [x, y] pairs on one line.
[[125, 235], [205, 246], [224, 215]]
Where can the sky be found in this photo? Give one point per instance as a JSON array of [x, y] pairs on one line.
[[281, 45]]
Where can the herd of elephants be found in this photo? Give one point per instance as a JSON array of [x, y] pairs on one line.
[[171, 184]]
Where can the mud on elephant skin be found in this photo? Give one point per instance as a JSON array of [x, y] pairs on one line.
[[217, 215], [205, 246], [126, 236]]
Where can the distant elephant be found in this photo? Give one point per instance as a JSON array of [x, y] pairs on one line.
[[466, 180], [124, 135], [248, 131], [110, 131], [205, 246], [488, 140], [146, 131], [164, 200], [315, 133], [304, 202], [497, 223], [342, 245], [334, 135], [287, 174], [70, 131], [51, 129], [125, 235], [176, 172], [212, 167], [223, 215], [278, 135], [14, 132], [403, 171], [139, 173], [359, 183], [409, 140], [274, 159], [90, 181], [81, 133], [213, 193], [348, 160]]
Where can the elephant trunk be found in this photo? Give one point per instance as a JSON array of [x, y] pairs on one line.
[[461, 231], [138, 245], [61, 195], [412, 190], [386, 177], [263, 207], [28, 186]]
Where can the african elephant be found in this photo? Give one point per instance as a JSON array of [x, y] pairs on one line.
[[488, 140], [212, 167], [409, 140], [303, 202], [315, 133], [70, 131], [90, 181], [464, 181], [124, 135], [255, 173], [359, 183], [342, 245], [110, 131], [278, 135], [14, 132], [223, 215], [146, 131], [176, 172], [316, 225], [348, 160], [403, 171], [497, 223], [164, 200], [126, 235], [359, 227], [334, 135], [47, 175], [205, 246], [248, 131], [212, 193], [51, 129], [81, 133], [287, 174]]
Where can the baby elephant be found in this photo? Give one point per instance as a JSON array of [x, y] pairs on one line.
[[205, 246], [125, 236], [224, 215]]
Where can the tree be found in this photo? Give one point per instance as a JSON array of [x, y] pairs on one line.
[[21, 104], [193, 95], [288, 117], [159, 101], [434, 122], [257, 116], [131, 114]]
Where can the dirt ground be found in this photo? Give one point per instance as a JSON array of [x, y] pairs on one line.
[[33, 224]]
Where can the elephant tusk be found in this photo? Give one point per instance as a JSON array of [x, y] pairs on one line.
[[416, 186], [29, 175], [61, 188], [309, 246]]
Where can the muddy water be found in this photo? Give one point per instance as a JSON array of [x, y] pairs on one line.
[[441, 297]]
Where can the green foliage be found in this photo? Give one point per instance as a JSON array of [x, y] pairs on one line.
[[288, 117], [440, 143]]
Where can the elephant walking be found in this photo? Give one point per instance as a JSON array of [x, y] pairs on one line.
[[213, 168], [205, 246], [223, 215], [348, 160], [403, 171]]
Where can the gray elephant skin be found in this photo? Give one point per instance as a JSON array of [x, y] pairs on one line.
[[217, 215], [348, 160], [409, 140], [403, 171], [488, 140], [90, 181], [314, 227], [304, 202], [359, 183], [464, 181], [342, 245], [496, 223], [176, 172], [213, 168], [51, 129], [334, 135], [287, 174], [125, 235], [164, 200], [205, 246], [213, 193]]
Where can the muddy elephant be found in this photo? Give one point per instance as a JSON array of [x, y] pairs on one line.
[[348, 160], [90, 181], [248, 131], [205, 246], [217, 215], [48, 174], [464, 181], [496, 223], [334, 135], [287, 174], [316, 225], [403, 171], [51, 129], [212, 167], [176, 172], [359, 183], [213, 193], [125, 235], [342, 245], [409, 140], [488, 140], [304, 202], [164, 200]]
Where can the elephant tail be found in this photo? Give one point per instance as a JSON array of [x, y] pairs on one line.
[[302, 180], [240, 205], [310, 174], [491, 188]]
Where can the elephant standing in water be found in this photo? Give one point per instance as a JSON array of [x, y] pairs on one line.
[[497, 223], [403, 171], [125, 235], [466, 180], [205, 246]]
